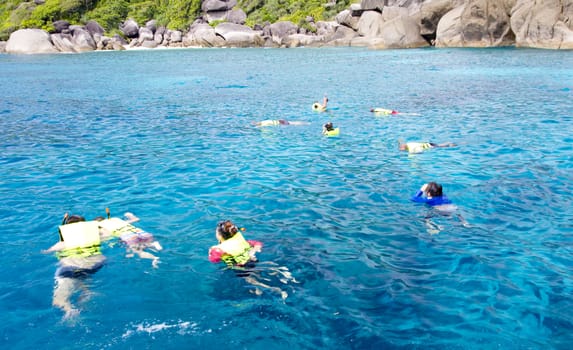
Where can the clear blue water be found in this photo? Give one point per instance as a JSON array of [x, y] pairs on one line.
[[167, 135]]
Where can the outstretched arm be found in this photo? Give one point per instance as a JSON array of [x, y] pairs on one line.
[[130, 218], [55, 248]]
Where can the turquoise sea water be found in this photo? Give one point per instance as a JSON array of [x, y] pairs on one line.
[[167, 135]]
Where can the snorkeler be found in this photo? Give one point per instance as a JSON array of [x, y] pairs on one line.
[[328, 129], [384, 111], [432, 194], [276, 122], [419, 147], [239, 254], [79, 256], [135, 239], [316, 106], [233, 249]]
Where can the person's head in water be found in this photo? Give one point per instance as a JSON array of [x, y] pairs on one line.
[[72, 219], [434, 190], [328, 126], [225, 230]]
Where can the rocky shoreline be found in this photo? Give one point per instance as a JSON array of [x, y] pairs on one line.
[[376, 24]]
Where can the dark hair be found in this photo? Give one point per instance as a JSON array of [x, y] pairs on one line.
[[434, 189], [227, 229], [329, 126], [73, 219]]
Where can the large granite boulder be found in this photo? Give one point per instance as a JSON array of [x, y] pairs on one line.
[[372, 5], [63, 42], [430, 14], [145, 34], [546, 24], [82, 40], [237, 16], [346, 18], [130, 28], [302, 40], [218, 5], [61, 26], [237, 35], [151, 25], [30, 41], [401, 32], [370, 24], [342, 35], [94, 28], [478, 23], [326, 28], [202, 35], [282, 29]]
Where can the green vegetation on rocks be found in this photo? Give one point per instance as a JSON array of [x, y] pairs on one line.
[[173, 14]]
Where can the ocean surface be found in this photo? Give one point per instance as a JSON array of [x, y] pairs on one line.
[[169, 136]]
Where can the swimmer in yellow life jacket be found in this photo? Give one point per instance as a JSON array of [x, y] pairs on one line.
[[233, 249], [240, 255], [316, 106], [419, 147], [384, 111], [79, 255], [329, 130]]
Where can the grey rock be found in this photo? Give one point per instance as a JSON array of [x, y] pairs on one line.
[[202, 35], [302, 40], [93, 28], [176, 36], [346, 18], [129, 28], [343, 33], [214, 5], [237, 16], [372, 5], [546, 24], [370, 24], [63, 42], [224, 28], [478, 23], [82, 40], [30, 41], [400, 33], [149, 44], [158, 38], [280, 30], [151, 25], [145, 34], [430, 14], [61, 26], [326, 28]]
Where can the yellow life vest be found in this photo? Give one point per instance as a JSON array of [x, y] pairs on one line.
[[81, 239], [236, 250], [118, 227], [318, 107], [333, 132], [417, 147]]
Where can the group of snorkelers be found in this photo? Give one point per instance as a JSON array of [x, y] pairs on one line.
[[79, 251]]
